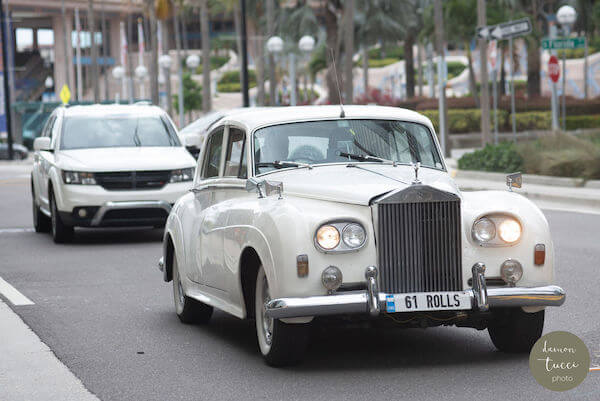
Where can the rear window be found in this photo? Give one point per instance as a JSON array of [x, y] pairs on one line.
[[80, 132]]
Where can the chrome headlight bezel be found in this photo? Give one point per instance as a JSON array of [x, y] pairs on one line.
[[342, 245], [78, 178], [182, 175], [498, 219]]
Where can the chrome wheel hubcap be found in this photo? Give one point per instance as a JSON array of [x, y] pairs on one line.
[[267, 322]]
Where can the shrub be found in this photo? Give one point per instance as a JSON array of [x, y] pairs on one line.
[[215, 62], [579, 122], [387, 51], [502, 158], [464, 121], [233, 76], [192, 94], [533, 120]]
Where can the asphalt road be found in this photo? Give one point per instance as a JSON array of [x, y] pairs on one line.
[[102, 307]]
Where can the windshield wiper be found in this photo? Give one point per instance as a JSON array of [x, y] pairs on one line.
[[283, 164], [365, 158]]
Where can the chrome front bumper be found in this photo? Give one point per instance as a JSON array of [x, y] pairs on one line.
[[373, 302]]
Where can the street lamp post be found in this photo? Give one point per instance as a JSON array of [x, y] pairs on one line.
[[306, 44], [141, 72], [165, 62], [566, 17], [118, 73], [274, 47]]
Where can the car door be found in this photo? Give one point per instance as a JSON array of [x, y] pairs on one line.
[[206, 241]]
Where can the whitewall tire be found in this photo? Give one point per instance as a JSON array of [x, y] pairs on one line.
[[281, 344]]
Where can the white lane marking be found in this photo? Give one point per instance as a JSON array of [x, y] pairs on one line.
[[16, 230], [13, 295]]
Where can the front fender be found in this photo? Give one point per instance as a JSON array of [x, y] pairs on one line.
[[535, 231], [174, 233]]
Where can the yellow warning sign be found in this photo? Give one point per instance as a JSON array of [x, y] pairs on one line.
[[65, 94]]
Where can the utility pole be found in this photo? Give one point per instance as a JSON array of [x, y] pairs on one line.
[[270, 33], [245, 95], [95, 72], [443, 109], [485, 95], [5, 67]]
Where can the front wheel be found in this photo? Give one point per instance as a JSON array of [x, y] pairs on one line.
[[280, 343], [188, 310], [513, 330]]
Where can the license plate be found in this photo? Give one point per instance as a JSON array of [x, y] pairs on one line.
[[427, 301]]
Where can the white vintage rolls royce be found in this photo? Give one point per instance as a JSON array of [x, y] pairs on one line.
[[321, 212]]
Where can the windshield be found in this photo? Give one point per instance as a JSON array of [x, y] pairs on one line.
[[343, 141], [116, 131]]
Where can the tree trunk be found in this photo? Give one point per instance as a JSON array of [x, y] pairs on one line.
[[502, 82], [472, 82], [420, 68], [205, 28], [332, 77], [153, 54], [365, 66], [533, 54], [104, 54], [131, 87], [237, 22], [260, 68], [349, 51], [409, 65], [486, 136]]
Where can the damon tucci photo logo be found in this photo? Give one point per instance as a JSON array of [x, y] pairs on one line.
[[559, 361]]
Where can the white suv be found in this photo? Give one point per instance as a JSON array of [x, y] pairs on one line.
[[106, 166]]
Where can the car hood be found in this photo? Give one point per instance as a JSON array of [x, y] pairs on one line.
[[356, 185], [124, 159]]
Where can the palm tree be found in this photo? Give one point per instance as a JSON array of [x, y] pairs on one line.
[[204, 21], [377, 22]]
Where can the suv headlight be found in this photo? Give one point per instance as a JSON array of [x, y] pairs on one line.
[[78, 177], [496, 230], [340, 237], [182, 175]]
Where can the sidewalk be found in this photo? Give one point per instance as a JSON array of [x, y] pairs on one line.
[[28, 368]]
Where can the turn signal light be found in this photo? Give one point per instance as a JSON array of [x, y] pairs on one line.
[[539, 254], [302, 265]]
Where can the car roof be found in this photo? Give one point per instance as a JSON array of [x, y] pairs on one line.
[[252, 118], [99, 110]]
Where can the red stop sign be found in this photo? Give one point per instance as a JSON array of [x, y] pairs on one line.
[[553, 69]]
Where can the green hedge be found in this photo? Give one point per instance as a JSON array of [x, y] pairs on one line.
[[230, 81], [562, 155], [469, 120], [502, 158]]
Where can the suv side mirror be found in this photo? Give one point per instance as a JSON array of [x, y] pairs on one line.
[[42, 143]]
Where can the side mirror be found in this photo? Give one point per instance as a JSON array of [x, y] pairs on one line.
[[42, 143], [514, 180], [264, 187]]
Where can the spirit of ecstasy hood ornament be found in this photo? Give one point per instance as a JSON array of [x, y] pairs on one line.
[[416, 166]]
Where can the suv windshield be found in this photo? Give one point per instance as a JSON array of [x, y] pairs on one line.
[[344, 141], [116, 131]]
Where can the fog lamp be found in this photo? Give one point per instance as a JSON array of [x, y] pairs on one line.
[[82, 212], [511, 271], [331, 278]]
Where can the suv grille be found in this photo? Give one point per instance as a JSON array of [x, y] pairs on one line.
[[419, 241], [133, 180]]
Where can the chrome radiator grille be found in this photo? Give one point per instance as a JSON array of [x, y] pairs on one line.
[[419, 241]]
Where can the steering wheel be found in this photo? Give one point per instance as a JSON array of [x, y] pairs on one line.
[[306, 154]]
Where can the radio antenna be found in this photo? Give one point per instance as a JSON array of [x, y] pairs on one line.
[[337, 83]]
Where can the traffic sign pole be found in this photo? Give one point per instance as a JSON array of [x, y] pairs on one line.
[[512, 91], [564, 86], [554, 64]]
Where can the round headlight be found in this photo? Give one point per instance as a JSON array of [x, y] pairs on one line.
[[328, 237], [484, 230], [354, 235], [511, 271], [509, 230]]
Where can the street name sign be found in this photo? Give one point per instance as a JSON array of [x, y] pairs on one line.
[[563, 43], [505, 30], [553, 69]]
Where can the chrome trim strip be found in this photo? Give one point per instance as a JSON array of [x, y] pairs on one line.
[[97, 219]]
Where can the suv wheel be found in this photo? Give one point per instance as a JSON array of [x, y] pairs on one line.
[[41, 222]]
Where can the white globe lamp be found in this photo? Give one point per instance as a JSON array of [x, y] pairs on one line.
[[275, 45]]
